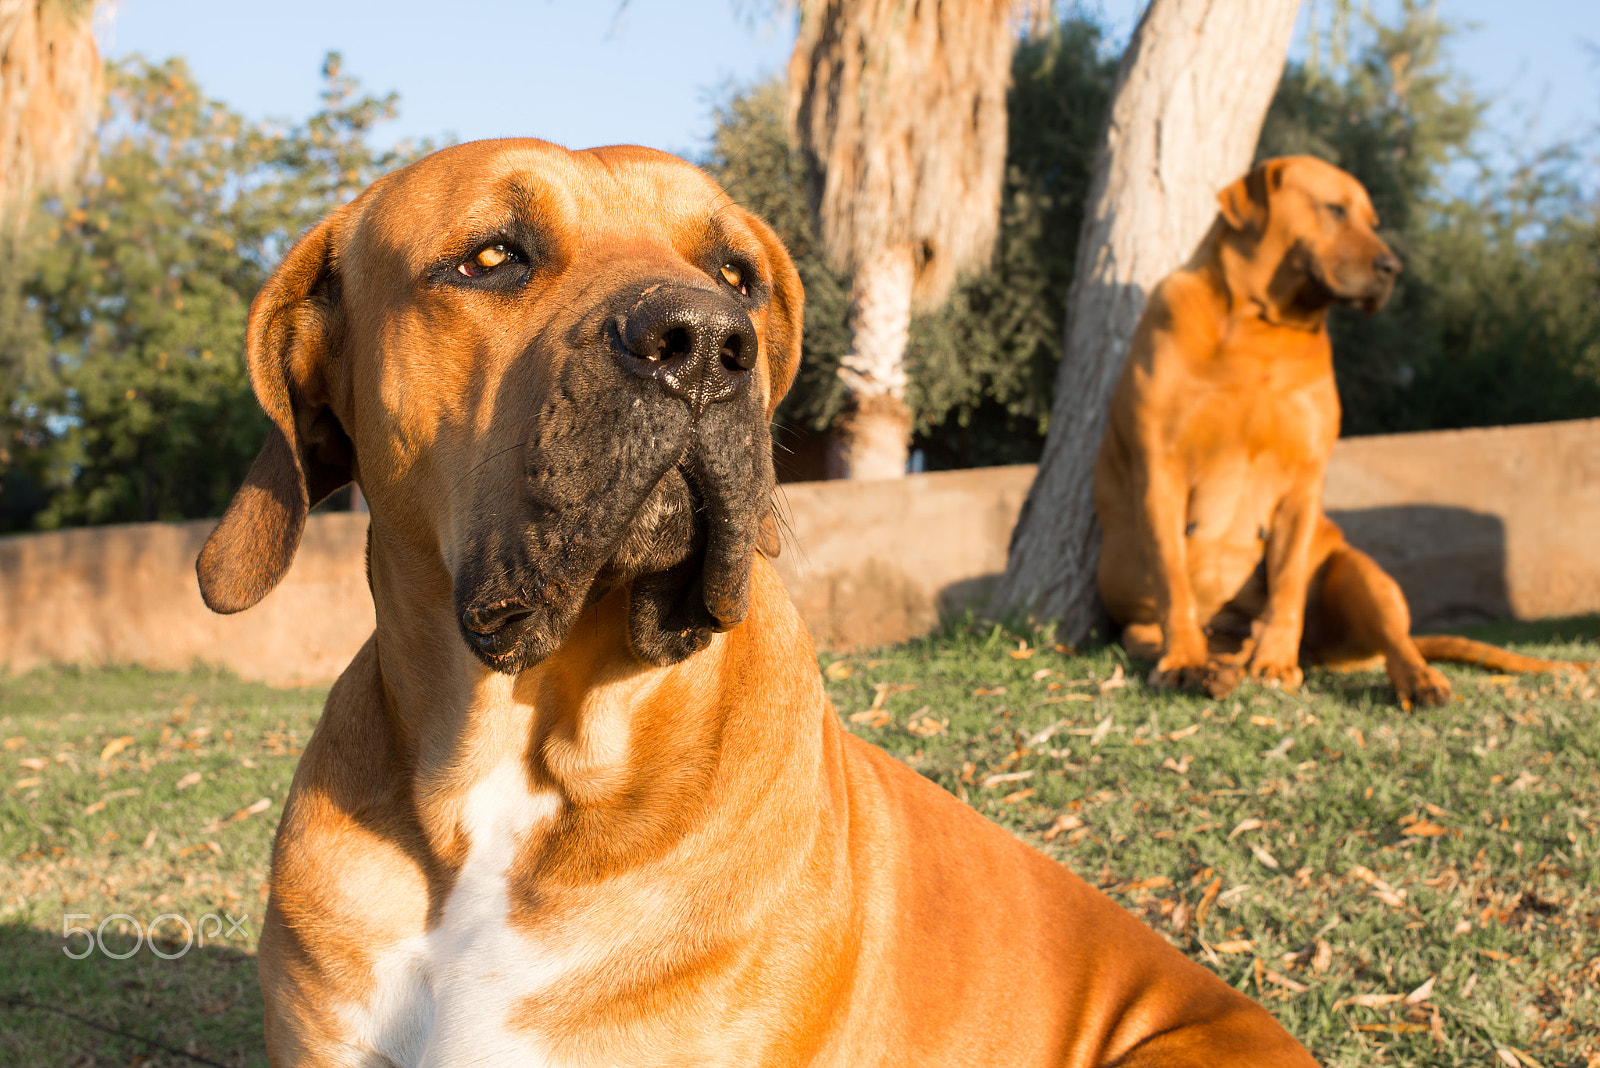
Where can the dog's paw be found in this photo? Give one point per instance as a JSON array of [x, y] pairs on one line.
[[1211, 677], [1287, 676], [1424, 686]]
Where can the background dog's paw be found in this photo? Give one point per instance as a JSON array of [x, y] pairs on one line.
[[1211, 677], [1424, 686], [1219, 679], [1287, 676]]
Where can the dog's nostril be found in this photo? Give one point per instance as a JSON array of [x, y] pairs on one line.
[[732, 354], [1387, 263], [674, 343]]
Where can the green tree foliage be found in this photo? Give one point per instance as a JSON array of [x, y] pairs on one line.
[[128, 393], [1496, 319], [982, 366], [1497, 316]]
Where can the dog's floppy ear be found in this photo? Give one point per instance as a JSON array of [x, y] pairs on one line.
[[295, 330], [1244, 203]]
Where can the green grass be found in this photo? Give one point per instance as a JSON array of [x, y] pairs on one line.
[[1494, 895]]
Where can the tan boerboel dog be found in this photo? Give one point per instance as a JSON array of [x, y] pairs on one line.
[[581, 799], [1217, 559]]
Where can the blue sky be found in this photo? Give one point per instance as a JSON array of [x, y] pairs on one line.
[[578, 72]]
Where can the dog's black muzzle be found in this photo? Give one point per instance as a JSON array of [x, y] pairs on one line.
[[649, 465]]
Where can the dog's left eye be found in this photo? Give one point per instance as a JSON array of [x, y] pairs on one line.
[[1337, 212], [486, 260], [732, 275]]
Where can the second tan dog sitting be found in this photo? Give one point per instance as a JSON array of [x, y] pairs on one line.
[[1217, 559]]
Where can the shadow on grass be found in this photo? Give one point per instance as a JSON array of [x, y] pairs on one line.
[[202, 1008]]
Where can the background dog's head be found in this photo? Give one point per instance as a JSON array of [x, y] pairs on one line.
[[551, 372], [1312, 225]]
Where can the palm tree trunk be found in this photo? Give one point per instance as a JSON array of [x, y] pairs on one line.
[[1190, 96], [872, 436]]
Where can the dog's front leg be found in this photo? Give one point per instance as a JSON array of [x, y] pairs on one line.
[[1276, 657], [1162, 496]]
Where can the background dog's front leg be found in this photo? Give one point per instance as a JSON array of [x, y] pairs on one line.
[[1162, 494], [1290, 561]]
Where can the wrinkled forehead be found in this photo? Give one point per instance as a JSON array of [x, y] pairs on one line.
[[593, 201]]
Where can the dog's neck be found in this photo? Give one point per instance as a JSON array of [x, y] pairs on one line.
[[1287, 296], [631, 755]]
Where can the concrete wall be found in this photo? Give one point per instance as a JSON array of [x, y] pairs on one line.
[[1476, 525]]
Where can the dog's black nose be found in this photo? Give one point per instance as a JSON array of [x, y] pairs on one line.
[[699, 345], [1387, 264]]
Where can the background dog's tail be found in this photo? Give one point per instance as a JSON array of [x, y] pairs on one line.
[[1454, 650]]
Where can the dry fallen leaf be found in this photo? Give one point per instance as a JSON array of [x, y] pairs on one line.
[[989, 691], [1369, 1001], [1425, 830], [1206, 899], [27, 784], [188, 780], [34, 763], [1018, 795], [1240, 945], [1284, 981], [1045, 735], [1155, 882], [149, 839], [872, 717], [1263, 721], [838, 671], [13, 744], [115, 746], [1323, 958], [1281, 750], [1022, 653], [1264, 857], [1179, 766], [250, 810], [923, 725], [1062, 823], [1115, 682], [1421, 993], [1244, 825], [1102, 728], [1041, 674], [1180, 735], [1393, 1028], [990, 781], [1523, 781]]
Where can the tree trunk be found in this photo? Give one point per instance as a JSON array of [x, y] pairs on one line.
[[51, 82], [872, 436], [1186, 111]]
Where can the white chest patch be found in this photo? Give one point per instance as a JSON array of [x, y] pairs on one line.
[[444, 998]]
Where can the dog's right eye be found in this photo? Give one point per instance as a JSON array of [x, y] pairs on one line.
[[1337, 212]]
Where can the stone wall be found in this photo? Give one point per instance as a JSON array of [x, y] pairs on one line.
[[1476, 525]]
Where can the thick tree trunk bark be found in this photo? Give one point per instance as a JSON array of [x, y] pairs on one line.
[[1190, 96], [871, 438]]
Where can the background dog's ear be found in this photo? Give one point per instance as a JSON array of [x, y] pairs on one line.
[[1244, 203], [294, 332]]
